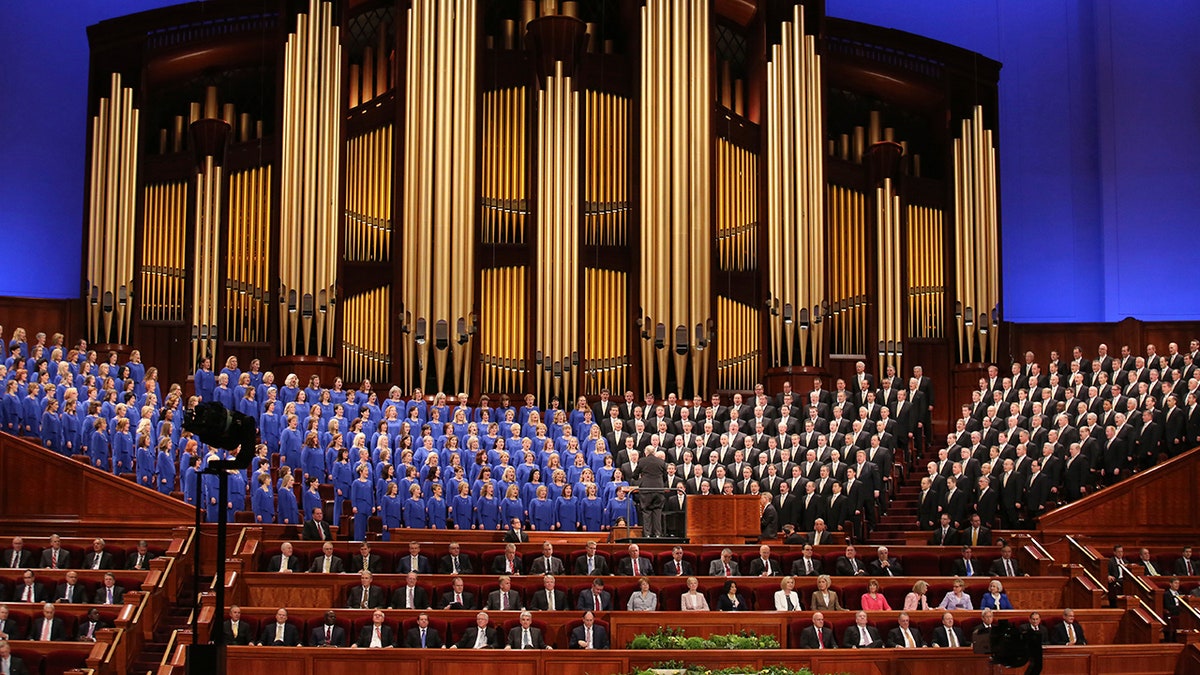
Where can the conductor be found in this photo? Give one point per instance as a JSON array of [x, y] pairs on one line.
[[651, 479]]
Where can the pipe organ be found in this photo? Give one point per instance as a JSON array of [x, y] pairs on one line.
[[542, 196]]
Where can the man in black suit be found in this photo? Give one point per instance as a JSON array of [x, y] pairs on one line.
[[1184, 565], [1077, 474], [927, 505], [90, 625], [29, 590], [279, 633], [947, 634], [590, 563], [140, 559], [14, 664], [8, 626], [98, 559], [422, 636], [365, 595], [414, 561], [807, 565], [1068, 632], [817, 636], [508, 562], [316, 529], [454, 562], [504, 598], [966, 565], [109, 593], [526, 635], [636, 565], [1037, 492], [1005, 565], [16, 557], [987, 501], [1117, 571], [884, 565], [376, 634], [236, 630], [651, 476], [515, 532], [546, 563], [285, 560], [861, 635], [365, 560], [677, 566], [764, 565], [944, 534], [849, 565], [596, 599], [1034, 626], [54, 556], [70, 590], [456, 597], [904, 635], [589, 634], [549, 599], [479, 636], [47, 627], [410, 595], [328, 633], [327, 562]]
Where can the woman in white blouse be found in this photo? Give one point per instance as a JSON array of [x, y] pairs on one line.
[[693, 600], [643, 599], [786, 598]]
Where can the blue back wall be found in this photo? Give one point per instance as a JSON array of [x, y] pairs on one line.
[[1098, 178]]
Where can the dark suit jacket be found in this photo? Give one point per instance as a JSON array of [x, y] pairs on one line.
[[601, 566], [586, 602], [757, 566], [670, 569], [515, 536], [600, 638], [106, 560], [851, 638], [445, 565], [538, 566], [374, 563], [131, 561], [950, 539], [997, 568], [498, 565], [24, 558], [894, 567], [277, 560], [468, 601], [432, 639], [896, 639], [538, 600], [535, 638], [291, 636], [39, 592], [9, 628], [959, 568], [471, 634], [843, 568], [385, 635], [310, 533], [82, 632], [400, 597], [64, 558], [317, 639], [374, 597], [404, 565], [808, 638], [514, 601], [102, 595], [1058, 634], [16, 666], [78, 593], [940, 638], [336, 566], [57, 632], [243, 636], [625, 567], [1042, 632]]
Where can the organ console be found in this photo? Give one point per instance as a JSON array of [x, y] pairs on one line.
[[539, 196]]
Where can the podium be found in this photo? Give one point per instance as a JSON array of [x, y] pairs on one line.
[[723, 519]]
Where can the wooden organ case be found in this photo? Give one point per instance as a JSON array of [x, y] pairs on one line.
[[543, 196]]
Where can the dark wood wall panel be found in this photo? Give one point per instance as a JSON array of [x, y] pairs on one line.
[[1043, 337], [42, 315]]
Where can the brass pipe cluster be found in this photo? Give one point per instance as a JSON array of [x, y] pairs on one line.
[[164, 251], [976, 240]]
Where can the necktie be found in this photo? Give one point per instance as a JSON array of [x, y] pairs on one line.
[[820, 639], [366, 593], [525, 641], [325, 567], [596, 597], [70, 593], [328, 634], [854, 565], [1070, 635], [320, 530], [975, 533], [953, 637], [283, 563], [279, 632], [508, 566], [139, 561], [807, 566], [1188, 565], [96, 561], [422, 638], [678, 569], [591, 564], [27, 596], [92, 629], [454, 564], [378, 641], [233, 627], [46, 625], [1008, 567], [14, 559], [409, 600], [53, 559], [908, 641], [863, 637], [587, 636], [503, 601], [110, 597], [550, 600], [969, 572], [458, 599], [727, 570]]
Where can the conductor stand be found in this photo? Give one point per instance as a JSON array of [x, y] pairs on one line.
[[661, 539], [219, 427]]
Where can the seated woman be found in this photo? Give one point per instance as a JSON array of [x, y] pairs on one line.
[[730, 600], [956, 598], [916, 599], [786, 598], [873, 600], [643, 599], [823, 599], [995, 598], [692, 599]]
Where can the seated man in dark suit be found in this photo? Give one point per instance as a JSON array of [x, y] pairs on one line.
[[285, 560], [636, 565], [1068, 632], [508, 562], [15, 665], [413, 562], [98, 559], [904, 635], [966, 565], [590, 563], [515, 533], [365, 595], [676, 566], [549, 598], [975, 534], [947, 634], [763, 566], [328, 633], [16, 557], [8, 626], [849, 565], [944, 534], [422, 636], [526, 635], [793, 538], [47, 627], [1034, 625], [1184, 565], [54, 556], [504, 598], [71, 590], [861, 635], [589, 635], [885, 565], [546, 563], [376, 634], [454, 562], [365, 560], [236, 630], [479, 636], [140, 559], [817, 636], [327, 562], [109, 593], [28, 590], [597, 599], [279, 633], [457, 598], [316, 529], [807, 565], [90, 625], [1005, 565], [410, 595]]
